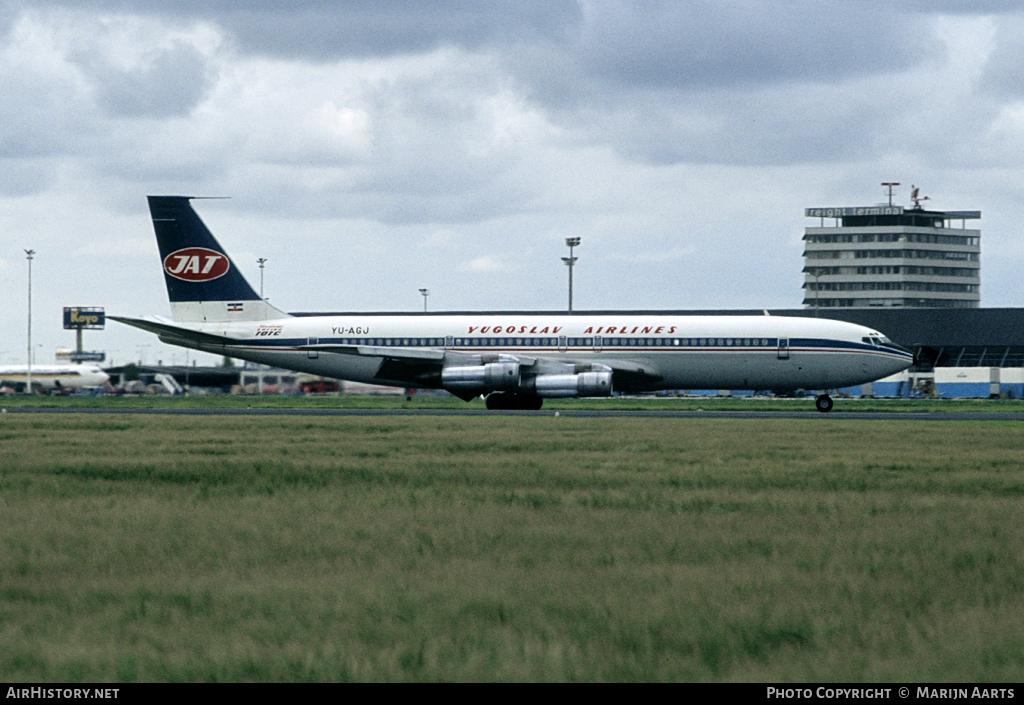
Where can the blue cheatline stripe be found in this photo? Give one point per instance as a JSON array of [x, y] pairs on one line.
[[542, 342], [586, 344]]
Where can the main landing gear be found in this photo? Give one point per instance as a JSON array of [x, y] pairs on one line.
[[823, 403], [511, 400]]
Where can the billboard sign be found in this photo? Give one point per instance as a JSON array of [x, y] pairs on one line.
[[87, 357], [76, 318]]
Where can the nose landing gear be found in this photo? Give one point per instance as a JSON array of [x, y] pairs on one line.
[[823, 403]]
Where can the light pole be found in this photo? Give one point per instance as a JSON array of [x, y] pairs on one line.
[[570, 261], [29, 254], [426, 293], [262, 261], [817, 288]]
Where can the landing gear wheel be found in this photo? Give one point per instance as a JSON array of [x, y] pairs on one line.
[[497, 400], [823, 403]]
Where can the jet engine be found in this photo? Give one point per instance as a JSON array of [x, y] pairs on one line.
[[584, 384], [480, 379]]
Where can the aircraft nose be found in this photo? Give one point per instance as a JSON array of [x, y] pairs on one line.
[[906, 361]]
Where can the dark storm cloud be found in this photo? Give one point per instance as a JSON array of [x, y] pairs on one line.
[[701, 81], [960, 7], [319, 30], [329, 29], [169, 84], [655, 46], [755, 129], [1004, 68], [712, 44]]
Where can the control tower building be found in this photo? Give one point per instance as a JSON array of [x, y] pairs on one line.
[[891, 256]]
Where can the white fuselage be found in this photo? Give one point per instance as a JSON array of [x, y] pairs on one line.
[[55, 376], [673, 352]]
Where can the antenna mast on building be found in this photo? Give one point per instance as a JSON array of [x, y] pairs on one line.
[[890, 184], [916, 197]]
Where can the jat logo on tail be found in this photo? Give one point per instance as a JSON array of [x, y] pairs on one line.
[[196, 264]]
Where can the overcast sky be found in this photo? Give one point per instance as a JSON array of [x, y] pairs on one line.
[[371, 148]]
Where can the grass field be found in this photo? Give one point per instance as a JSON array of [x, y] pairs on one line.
[[157, 548], [363, 401]]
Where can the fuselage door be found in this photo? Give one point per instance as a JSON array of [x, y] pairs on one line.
[[783, 348], [597, 343], [449, 342], [313, 354], [563, 345]]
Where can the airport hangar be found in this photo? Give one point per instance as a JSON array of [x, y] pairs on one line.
[[963, 352]]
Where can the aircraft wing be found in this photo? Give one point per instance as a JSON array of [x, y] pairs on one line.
[[627, 374], [378, 351], [409, 365], [626, 368], [399, 366]]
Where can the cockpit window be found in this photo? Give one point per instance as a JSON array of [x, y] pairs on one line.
[[883, 342]]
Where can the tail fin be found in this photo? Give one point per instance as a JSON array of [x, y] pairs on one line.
[[203, 283]]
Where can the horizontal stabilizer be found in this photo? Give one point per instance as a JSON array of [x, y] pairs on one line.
[[175, 335]]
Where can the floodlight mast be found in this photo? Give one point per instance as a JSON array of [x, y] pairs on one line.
[[262, 261], [572, 242], [28, 377]]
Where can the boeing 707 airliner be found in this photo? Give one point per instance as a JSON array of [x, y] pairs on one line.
[[514, 360]]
